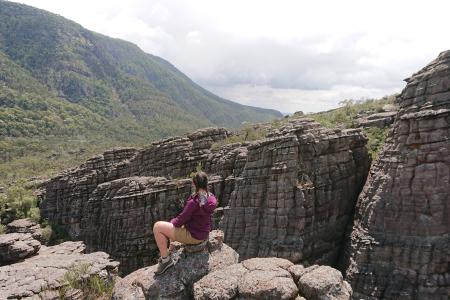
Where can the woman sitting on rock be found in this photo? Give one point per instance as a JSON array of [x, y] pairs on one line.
[[191, 226]]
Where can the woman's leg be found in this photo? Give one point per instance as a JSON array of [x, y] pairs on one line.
[[163, 231]]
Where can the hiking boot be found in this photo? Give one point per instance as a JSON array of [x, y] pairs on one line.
[[164, 264]]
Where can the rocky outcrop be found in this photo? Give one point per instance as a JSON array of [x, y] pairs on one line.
[[380, 120], [215, 274], [295, 195], [27, 226], [177, 282], [289, 194], [272, 278], [22, 226], [43, 276], [399, 247], [16, 246], [321, 282]]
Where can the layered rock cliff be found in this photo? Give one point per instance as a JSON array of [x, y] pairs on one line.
[[289, 194], [399, 247]]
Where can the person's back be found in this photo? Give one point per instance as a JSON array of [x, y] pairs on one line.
[[199, 224]]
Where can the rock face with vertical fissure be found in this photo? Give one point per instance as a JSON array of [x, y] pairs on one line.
[[289, 194], [400, 245]]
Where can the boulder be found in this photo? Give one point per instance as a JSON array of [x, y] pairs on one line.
[[17, 246], [323, 282], [27, 226], [272, 278], [177, 282]]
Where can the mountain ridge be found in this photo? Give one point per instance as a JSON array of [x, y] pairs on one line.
[[60, 80], [109, 76]]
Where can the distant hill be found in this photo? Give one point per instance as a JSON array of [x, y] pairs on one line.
[[62, 85]]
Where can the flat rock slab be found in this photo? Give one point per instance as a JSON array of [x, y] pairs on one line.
[[17, 246], [41, 276], [27, 226], [22, 226]]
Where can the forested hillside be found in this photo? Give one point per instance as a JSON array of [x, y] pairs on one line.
[[67, 93]]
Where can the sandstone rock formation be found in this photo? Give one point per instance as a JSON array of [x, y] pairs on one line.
[[22, 226], [27, 226], [289, 194], [321, 282], [400, 243], [215, 274], [272, 278], [17, 246], [42, 276], [177, 282], [380, 120], [295, 194]]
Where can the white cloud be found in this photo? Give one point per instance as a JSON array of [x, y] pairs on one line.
[[282, 54], [291, 100]]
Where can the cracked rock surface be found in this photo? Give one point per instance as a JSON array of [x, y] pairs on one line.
[[272, 278], [289, 194], [215, 274], [26, 226], [399, 246], [177, 282], [41, 276], [17, 246]]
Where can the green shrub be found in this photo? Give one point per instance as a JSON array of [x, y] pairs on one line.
[[246, 134], [376, 138], [34, 214], [58, 234], [20, 200], [346, 114], [46, 233], [92, 286]]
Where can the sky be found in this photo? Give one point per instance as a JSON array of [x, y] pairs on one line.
[[286, 55]]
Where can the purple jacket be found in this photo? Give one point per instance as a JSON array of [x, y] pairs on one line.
[[195, 218]]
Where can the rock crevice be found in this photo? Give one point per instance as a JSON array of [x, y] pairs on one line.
[[399, 245], [289, 194]]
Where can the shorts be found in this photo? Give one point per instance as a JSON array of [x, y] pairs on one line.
[[183, 236]]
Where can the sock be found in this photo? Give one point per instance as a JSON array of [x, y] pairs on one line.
[[165, 259]]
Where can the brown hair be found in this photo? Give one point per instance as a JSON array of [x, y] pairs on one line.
[[200, 180]]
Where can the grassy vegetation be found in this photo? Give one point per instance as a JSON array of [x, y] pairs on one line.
[[376, 138], [19, 202], [247, 134], [346, 115], [92, 286]]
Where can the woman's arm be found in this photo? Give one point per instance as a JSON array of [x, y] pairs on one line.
[[186, 214]]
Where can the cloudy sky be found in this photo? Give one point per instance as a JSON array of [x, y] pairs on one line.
[[281, 54]]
